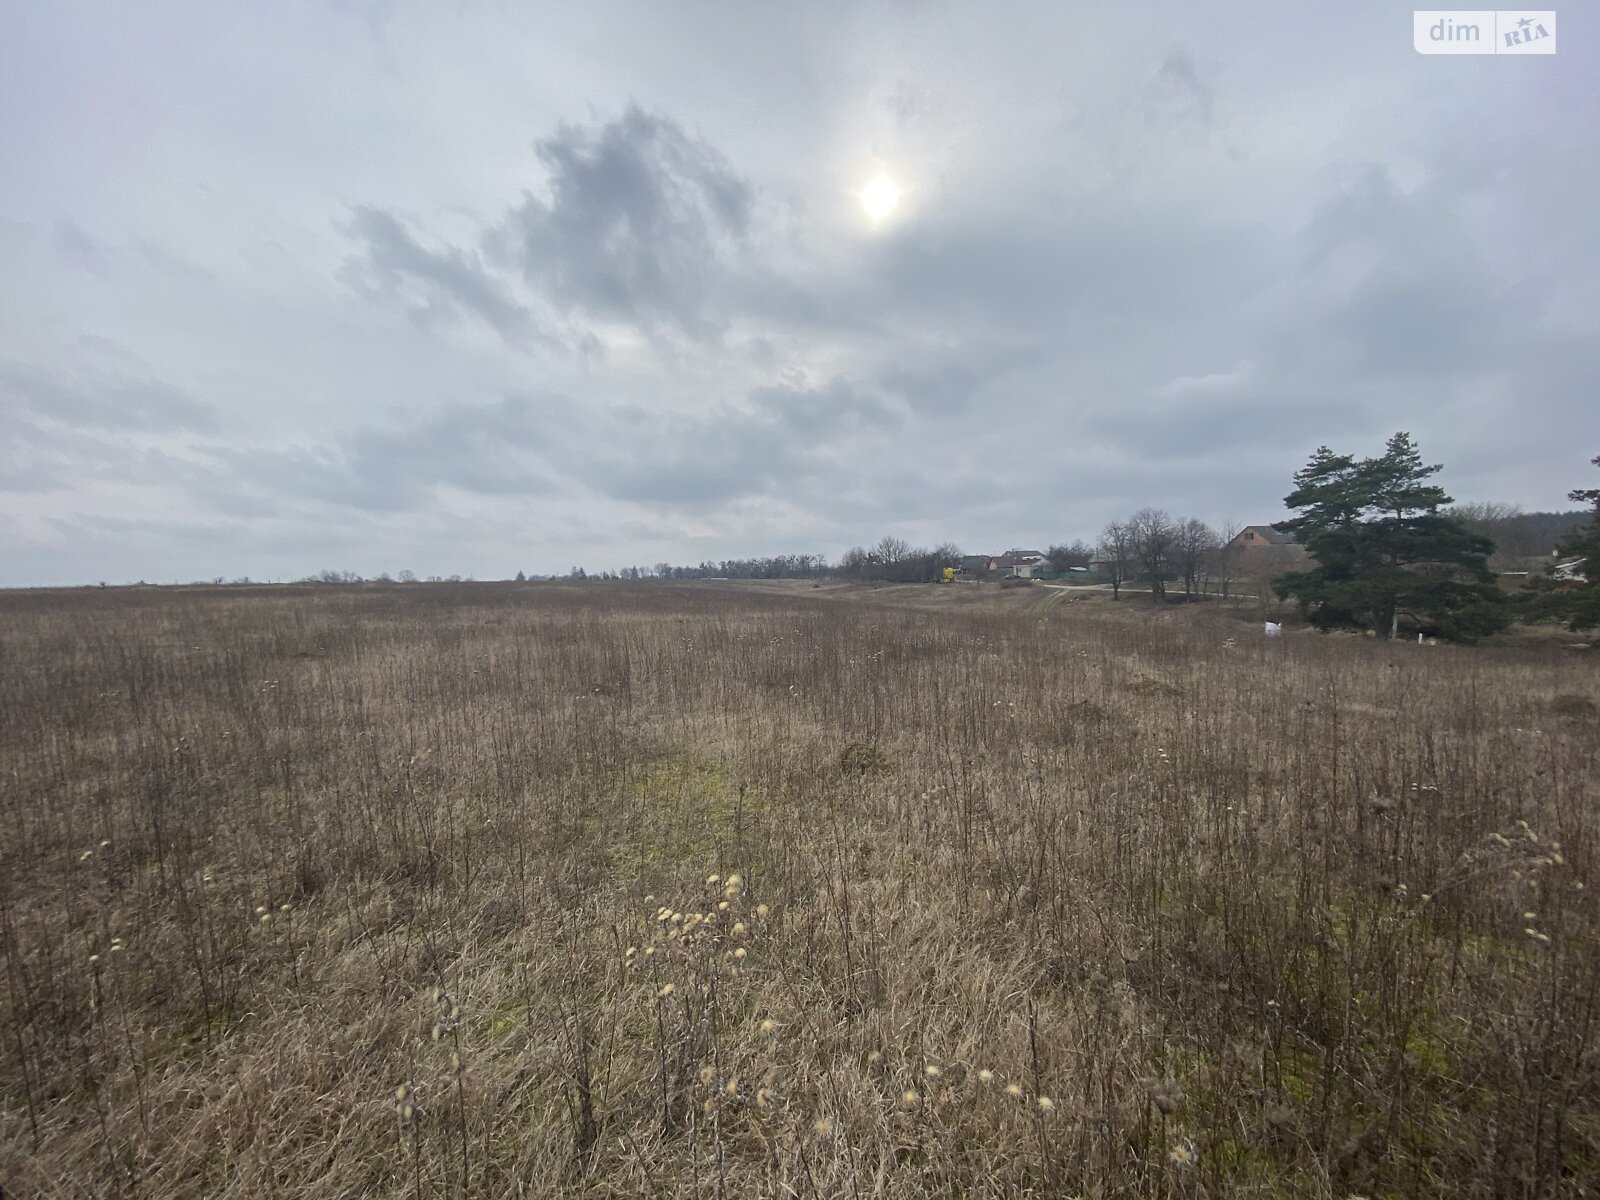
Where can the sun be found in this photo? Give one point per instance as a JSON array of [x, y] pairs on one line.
[[879, 197]]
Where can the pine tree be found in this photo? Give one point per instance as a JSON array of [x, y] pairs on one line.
[[1384, 552]]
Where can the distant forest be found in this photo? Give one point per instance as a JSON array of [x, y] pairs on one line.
[[1518, 536]]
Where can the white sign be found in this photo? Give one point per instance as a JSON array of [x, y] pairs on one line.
[[1483, 31]]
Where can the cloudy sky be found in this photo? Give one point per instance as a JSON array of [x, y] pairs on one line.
[[470, 288]]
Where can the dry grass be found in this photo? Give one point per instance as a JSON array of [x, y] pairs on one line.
[[343, 892]]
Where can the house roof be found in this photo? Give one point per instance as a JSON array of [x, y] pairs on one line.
[[1267, 534], [975, 562], [1019, 558]]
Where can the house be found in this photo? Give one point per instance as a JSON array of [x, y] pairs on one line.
[[1013, 564], [1028, 557], [1022, 564], [1259, 537], [1265, 549]]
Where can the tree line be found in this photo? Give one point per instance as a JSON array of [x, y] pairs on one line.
[[1156, 547], [894, 560], [1518, 536], [1388, 551]]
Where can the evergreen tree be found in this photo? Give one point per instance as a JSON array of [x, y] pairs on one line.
[[1384, 552]]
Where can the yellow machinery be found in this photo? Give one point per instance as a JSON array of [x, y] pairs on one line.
[[948, 575]]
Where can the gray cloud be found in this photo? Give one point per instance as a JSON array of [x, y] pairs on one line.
[[780, 439], [94, 398], [1391, 282], [31, 459], [1177, 93], [1226, 416], [638, 216], [951, 383], [76, 246], [493, 449], [1046, 278], [430, 283]]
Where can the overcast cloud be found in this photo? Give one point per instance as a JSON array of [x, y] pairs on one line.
[[476, 288]]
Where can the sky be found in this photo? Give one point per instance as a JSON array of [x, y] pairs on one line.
[[471, 288]]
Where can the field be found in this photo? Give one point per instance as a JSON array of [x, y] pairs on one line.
[[709, 890]]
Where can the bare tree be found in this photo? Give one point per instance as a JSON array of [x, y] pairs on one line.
[[1191, 551], [1478, 514], [855, 563], [1501, 524], [1078, 554], [1116, 553], [1226, 555], [892, 550], [1155, 534]]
